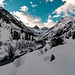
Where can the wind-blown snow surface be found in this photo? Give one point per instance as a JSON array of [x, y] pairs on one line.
[[38, 64]]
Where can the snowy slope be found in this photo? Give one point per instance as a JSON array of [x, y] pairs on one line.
[[38, 64]]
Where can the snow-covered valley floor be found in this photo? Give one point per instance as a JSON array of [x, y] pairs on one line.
[[38, 64]]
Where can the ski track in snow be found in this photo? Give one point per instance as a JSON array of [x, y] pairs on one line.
[[64, 63]]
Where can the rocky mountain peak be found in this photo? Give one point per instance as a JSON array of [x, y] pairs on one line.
[[36, 27]]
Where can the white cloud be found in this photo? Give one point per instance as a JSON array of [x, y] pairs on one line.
[[2, 2], [49, 1], [49, 17], [33, 5], [67, 7], [49, 22], [55, 16], [31, 2], [70, 1], [28, 20], [24, 8]]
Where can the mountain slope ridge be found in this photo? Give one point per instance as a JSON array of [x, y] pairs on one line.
[[9, 18], [66, 23]]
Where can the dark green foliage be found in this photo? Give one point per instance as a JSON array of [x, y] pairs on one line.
[[56, 41], [5, 18], [32, 38], [69, 33], [42, 43], [0, 25], [73, 35], [59, 32], [16, 35], [11, 51], [67, 37], [1, 43], [31, 50], [26, 36]]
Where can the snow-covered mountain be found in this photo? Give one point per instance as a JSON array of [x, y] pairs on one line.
[[13, 33], [45, 28], [62, 27], [36, 27], [8, 19], [38, 31]]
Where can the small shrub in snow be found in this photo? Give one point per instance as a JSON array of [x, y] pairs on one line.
[[20, 44], [45, 49], [52, 57], [7, 50], [11, 51], [31, 50], [69, 34], [67, 37]]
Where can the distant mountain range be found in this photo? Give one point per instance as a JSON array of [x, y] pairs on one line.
[[38, 31], [36, 27]]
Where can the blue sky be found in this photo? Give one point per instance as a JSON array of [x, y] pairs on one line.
[[39, 12]]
